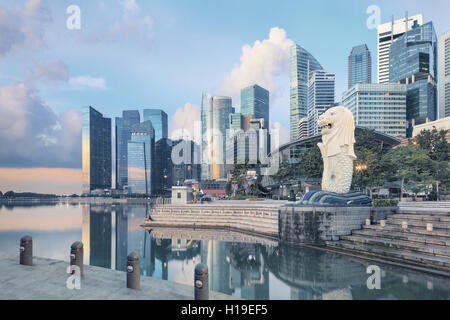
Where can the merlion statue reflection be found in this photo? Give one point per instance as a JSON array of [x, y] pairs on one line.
[[338, 138]]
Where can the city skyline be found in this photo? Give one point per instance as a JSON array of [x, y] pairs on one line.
[[58, 79]]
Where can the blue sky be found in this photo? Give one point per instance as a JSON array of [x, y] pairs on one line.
[[163, 54]]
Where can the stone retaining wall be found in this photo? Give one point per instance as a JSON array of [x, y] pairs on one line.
[[319, 224]]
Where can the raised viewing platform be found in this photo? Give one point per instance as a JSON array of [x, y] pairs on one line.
[[46, 280]]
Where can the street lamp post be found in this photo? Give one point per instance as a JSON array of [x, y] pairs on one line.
[[361, 168]]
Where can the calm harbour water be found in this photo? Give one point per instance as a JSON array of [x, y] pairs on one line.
[[239, 265]]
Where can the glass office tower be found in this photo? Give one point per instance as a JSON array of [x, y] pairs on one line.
[[255, 102], [321, 94], [163, 165], [96, 151], [387, 34], [301, 63], [141, 155], [123, 135], [359, 66], [413, 61], [215, 113], [444, 75], [159, 121]]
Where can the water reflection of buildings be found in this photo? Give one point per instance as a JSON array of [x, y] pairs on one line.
[[240, 264], [111, 232], [316, 274], [175, 249], [249, 272], [227, 272]]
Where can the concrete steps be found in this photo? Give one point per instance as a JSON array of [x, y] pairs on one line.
[[445, 226], [410, 230], [422, 217], [259, 223], [427, 239], [413, 245], [428, 211], [439, 251], [192, 219], [395, 255]]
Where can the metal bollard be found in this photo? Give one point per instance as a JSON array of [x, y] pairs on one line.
[[76, 255], [201, 291], [26, 251], [133, 271]]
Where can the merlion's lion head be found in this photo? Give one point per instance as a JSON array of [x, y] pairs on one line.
[[338, 131]]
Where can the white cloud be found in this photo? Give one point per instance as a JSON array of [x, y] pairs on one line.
[[88, 82], [260, 64], [24, 28], [185, 122], [32, 134], [131, 7], [49, 72], [132, 26]]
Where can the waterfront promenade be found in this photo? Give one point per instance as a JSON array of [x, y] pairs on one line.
[[46, 280]]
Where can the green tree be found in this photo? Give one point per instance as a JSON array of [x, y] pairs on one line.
[[366, 141], [435, 143], [369, 152], [409, 164], [285, 171], [311, 163], [9, 194], [373, 176]]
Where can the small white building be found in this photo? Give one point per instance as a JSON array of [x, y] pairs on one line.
[[182, 195], [441, 124]]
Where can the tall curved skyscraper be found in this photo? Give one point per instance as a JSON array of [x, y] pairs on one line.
[[215, 113], [302, 62]]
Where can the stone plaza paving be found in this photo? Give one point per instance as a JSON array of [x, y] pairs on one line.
[[46, 280]]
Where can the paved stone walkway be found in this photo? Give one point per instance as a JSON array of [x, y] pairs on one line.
[[46, 279]]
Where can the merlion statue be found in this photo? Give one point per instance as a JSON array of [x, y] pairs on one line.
[[338, 138]]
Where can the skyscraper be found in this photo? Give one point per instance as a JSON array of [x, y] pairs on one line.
[[301, 63], [303, 128], [163, 165], [321, 94], [359, 66], [123, 135], [215, 113], [378, 106], [159, 121], [444, 75], [189, 168], [141, 155], [96, 151], [387, 33], [255, 102], [413, 61]]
